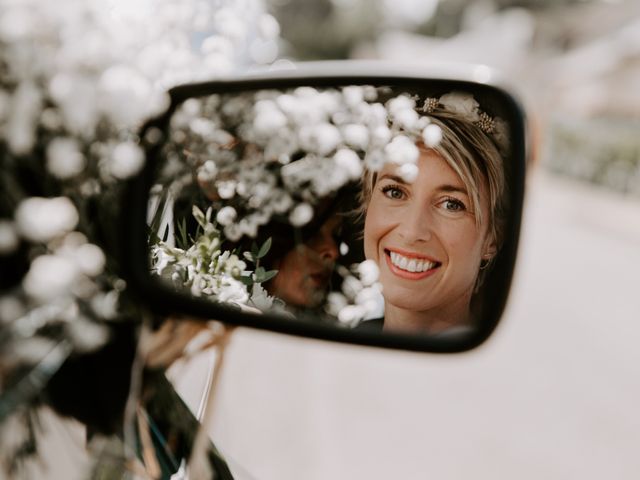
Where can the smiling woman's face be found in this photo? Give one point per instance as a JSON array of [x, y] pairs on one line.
[[424, 237]]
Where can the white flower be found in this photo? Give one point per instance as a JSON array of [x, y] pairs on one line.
[[11, 308], [369, 272], [351, 314], [461, 103], [105, 305], [269, 122], [353, 95], [501, 133], [248, 227], [21, 125], [233, 232], [75, 94], [407, 119], [50, 276], [263, 51], [203, 127], [432, 135], [408, 172], [351, 286], [268, 26], [233, 291], [233, 265], [85, 335], [423, 121], [402, 150], [378, 116], [226, 189], [217, 45], [281, 146], [260, 299], [301, 215], [161, 259], [375, 160], [400, 103], [371, 299], [335, 302], [321, 139], [281, 201], [9, 239], [17, 22], [127, 158], [42, 219], [226, 215], [127, 96], [349, 161], [207, 171], [64, 159], [230, 24], [356, 136], [380, 136], [90, 259]]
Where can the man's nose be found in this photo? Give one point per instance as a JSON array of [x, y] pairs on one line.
[[329, 250]]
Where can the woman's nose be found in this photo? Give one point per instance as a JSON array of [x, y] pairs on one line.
[[415, 224]]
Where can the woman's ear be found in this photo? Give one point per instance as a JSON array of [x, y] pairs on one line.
[[489, 247]]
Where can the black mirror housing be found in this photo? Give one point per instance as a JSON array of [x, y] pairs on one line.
[[164, 299]]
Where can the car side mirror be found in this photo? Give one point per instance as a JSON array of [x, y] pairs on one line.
[[356, 203]]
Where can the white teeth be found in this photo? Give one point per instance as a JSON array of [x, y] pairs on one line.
[[410, 265]]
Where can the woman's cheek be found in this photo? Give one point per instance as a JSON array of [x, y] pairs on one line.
[[370, 235]]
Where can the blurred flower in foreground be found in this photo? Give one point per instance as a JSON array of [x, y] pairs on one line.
[[78, 80]]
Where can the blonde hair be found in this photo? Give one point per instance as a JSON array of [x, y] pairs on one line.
[[474, 156]]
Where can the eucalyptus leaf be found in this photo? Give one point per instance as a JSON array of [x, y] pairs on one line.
[[259, 274], [264, 249], [269, 275]]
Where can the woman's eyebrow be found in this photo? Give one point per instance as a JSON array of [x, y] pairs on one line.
[[447, 188], [395, 178], [453, 188]]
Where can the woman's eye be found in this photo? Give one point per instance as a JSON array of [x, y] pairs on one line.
[[393, 192], [453, 205]]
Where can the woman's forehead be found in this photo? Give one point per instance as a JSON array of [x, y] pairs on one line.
[[432, 169]]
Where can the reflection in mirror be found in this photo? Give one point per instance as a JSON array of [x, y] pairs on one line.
[[367, 207]]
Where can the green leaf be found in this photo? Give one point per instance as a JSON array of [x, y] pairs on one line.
[[248, 281], [183, 236], [269, 275], [248, 256], [264, 249], [259, 274], [254, 250]]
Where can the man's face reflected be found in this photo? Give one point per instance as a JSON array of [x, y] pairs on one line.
[[305, 271]]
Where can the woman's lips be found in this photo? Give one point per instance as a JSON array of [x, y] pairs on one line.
[[410, 266]]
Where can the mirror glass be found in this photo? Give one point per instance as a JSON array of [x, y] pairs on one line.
[[360, 206]]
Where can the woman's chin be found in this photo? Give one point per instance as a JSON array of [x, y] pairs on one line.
[[407, 301]]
